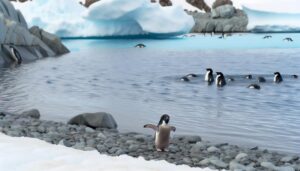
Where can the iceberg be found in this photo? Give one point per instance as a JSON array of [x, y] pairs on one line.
[[109, 18], [272, 22]]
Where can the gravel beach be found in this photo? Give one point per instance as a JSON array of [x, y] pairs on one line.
[[188, 150]]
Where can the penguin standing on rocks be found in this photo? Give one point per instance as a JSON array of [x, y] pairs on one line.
[[209, 77], [220, 79], [277, 77], [162, 132], [15, 55]]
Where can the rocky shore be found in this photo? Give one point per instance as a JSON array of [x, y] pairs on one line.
[[188, 150], [20, 44]]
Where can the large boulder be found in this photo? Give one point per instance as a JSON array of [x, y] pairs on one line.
[[52, 41], [32, 113], [224, 11], [207, 23], [218, 3], [95, 120], [200, 4], [16, 38]]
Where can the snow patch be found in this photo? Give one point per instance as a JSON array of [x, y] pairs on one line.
[[27, 154]]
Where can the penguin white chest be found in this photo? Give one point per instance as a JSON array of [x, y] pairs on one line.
[[206, 76]]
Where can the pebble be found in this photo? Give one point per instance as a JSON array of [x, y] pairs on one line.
[[213, 149]]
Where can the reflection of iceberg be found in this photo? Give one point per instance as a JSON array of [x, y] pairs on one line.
[[261, 21], [107, 18]]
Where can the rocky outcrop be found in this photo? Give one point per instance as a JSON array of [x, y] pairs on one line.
[[95, 120], [52, 41], [222, 19], [18, 44], [218, 3], [200, 4], [88, 3], [165, 3]]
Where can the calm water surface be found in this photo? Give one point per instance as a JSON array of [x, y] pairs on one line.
[[138, 85]]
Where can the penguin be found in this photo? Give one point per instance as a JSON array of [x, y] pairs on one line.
[[140, 45], [277, 77], [261, 79], [295, 76], [248, 77], [288, 39], [15, 55], [185, 79], [162, 132], [191, 76], [220, 79], [267, 37], [254, 86], [209, 77], [231, 79]]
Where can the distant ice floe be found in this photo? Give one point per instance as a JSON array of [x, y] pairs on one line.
[[107, 18], [262, 21], [28, 154]]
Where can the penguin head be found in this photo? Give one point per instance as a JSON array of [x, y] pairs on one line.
[[209, 70], [277, 74], [219, 74], [249, 77], [164, 119]]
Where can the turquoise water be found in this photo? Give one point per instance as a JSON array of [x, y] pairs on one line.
[[138, 85]]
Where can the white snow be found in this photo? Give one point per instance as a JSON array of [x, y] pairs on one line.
[[106, 18], [27, 154]]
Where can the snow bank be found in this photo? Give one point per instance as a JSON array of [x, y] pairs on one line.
[[107, 18], [27, 154]]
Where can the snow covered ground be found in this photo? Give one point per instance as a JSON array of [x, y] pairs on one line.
[[27, 154]]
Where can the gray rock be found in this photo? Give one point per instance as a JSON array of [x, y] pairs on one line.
[[213, 149], [235, 166], [197, 149], [89, 130], [289, 159], [193, 139], [101, 148], [95, 120], [33, 113], [52, 41], [217, 162], [241, 156], [133, 148], [14, 33], [224, 11], [208, 23]]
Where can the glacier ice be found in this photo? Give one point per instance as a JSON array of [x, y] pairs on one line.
[[107, 18], [263, 21]]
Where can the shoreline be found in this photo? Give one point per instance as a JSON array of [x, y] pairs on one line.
[[184, 149]]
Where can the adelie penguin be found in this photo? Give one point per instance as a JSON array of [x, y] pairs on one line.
[[288, 39], [191, 76], [267, 37], [277, 77], [140, 45], [15, 55], [220, 79], [209, 77], [295, 76], [162, 132], [248, 77], [261, 79], [254, 86], [185, 79]]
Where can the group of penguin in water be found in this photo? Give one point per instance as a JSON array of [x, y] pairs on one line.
[[221, 81]]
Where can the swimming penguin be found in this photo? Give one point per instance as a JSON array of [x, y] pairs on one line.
[[289, 39], [140, 45], [15, 55], [261, 79], [249, 77], [277, 77], [254, 86], [267, 37], [209, 77], [191, 76], [220, 79], [162, 132], [185, 79], [230, 79], [295, 76]]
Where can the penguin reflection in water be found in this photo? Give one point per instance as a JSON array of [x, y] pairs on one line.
[[162, 132]]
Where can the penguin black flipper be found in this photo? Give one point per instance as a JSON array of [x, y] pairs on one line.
[[154, 127], [173, 128]]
